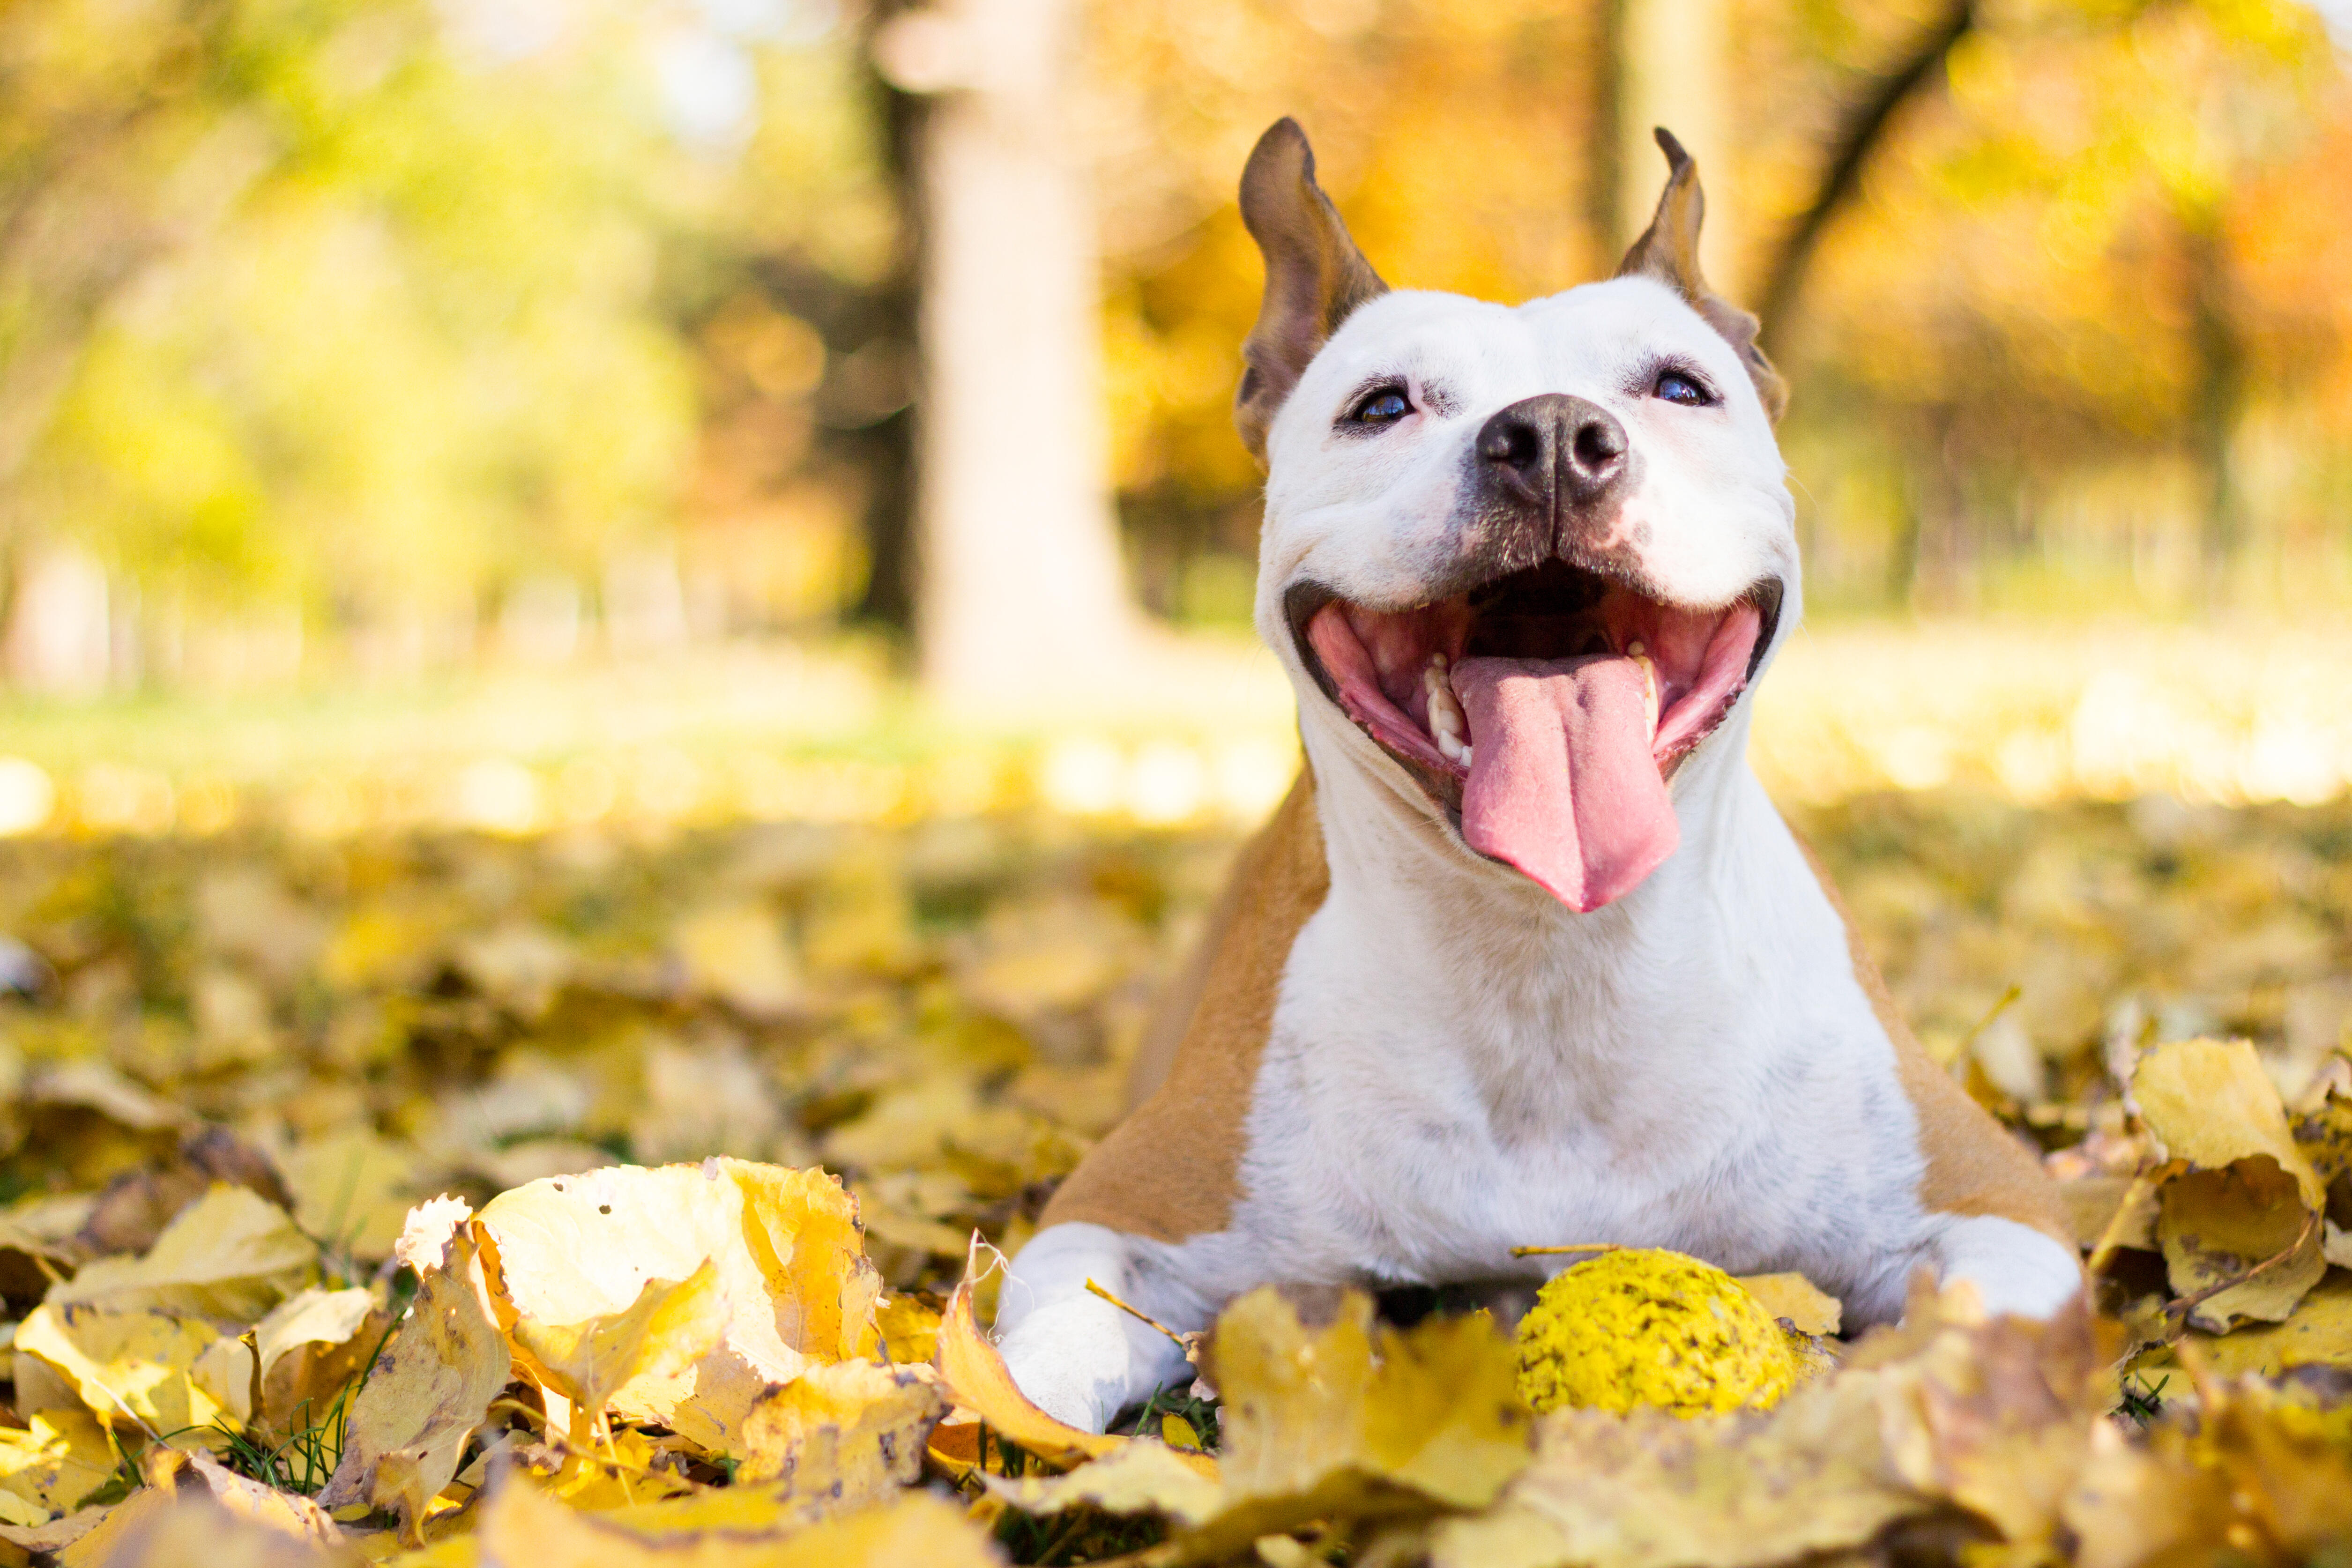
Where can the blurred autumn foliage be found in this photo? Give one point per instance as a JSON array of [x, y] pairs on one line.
[[390, 334]]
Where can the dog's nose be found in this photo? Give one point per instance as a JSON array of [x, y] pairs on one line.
[[1555, 442]]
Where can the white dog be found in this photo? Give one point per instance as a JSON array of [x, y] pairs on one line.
[[1527, 956]]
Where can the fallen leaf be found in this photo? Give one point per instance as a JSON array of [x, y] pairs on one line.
[[161, 1530], [736, 953], [352, 1188], [909, 1330], [426, 1395], [789, 1262], [308, 1348], [847, 1433], [153, 1370], [133, 1210], [671, 1325], [232, 1254], [2318, 1333], [1804, 1305], [523, 1529], [55, 1461], [2244, 1222], [1314, 1425], [169, 1470], [1141, 1478], [2239, 1202], [1651, 1490], [2212, 1104]]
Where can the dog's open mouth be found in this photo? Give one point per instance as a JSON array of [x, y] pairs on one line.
[[1547, 708]]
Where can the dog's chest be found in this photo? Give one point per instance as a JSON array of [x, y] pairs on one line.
[[1428, 1101]]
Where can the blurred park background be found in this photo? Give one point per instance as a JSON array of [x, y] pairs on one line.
[[515, 414]]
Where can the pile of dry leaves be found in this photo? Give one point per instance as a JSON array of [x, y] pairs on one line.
[[599, 1200]]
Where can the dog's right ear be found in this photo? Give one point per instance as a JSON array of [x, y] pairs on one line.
[[1314, 275]]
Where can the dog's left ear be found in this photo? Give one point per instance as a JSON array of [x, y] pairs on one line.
[[1315, 276], [1668, 251]]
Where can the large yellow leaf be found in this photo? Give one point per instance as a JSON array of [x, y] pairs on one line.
[[523, 1529], [1330, 1423], [1315, 1422], [426, 1395], [2318, 1333], [308, 1348], [352, 1188], [160, 1529], [232, 1254], [848, 1433], [2238, 1208], [149, 1370], [2212, 1104], [668, 1328], [55, 1461], [790, 1264]]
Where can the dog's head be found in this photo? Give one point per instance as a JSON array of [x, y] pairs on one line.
[[1529, 558]]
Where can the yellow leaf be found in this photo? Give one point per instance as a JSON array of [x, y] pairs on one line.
[[316, 1316], [2241, 1223], [1807, 1309], [1439, 1413], [1141, 1478], [2240, 1201], [789, 1258], [671, 1325], [2133, 1504], [909, 1330], [352, 1188], [161, 1528], [738, 953], [523, 1529], [2212, 1104], [848, 1433], [158, 1371], [309, 1348], [59, 1458], [232, 1254], [1178, 1433], [616, 1473], [426, 1395], [2318, 1333]]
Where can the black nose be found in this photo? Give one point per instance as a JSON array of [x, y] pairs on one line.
[[1554, 448]]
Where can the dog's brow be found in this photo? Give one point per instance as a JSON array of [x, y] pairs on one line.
[[1433, 394]]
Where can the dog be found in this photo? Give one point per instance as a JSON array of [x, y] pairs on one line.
[[1527, 956]]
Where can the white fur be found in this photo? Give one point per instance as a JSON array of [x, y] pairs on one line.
[[1458, 1064]]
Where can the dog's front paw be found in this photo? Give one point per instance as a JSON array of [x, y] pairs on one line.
[[1074, 1360]]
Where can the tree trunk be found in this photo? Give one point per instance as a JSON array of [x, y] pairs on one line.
[[2219, 394], [1020, 596], [1674, 69]]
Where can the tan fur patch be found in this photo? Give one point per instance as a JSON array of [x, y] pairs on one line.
[[1172, 1169], [1974, 1167]]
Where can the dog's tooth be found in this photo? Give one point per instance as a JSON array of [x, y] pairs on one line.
[[1634, 649], [1649, 686]]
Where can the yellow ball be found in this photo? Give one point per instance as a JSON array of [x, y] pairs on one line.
[[1634, 1327]]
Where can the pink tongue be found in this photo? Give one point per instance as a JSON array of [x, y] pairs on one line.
[[1562, 784]]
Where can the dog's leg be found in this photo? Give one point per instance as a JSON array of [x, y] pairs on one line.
[[2015, 1267], [1077, 1356]]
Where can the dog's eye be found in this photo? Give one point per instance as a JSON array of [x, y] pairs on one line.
[[1676, 386], [1385, 406]]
